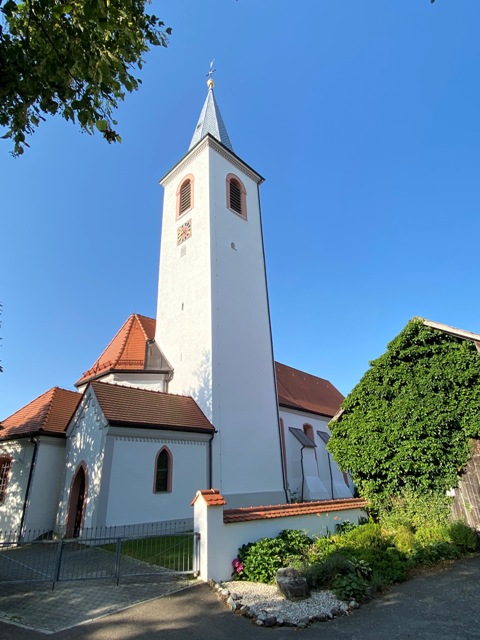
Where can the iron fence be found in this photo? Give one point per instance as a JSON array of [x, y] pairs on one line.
[[155, 549]]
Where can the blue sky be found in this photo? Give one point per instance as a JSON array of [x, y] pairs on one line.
[[364, 119]]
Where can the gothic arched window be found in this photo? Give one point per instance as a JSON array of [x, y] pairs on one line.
[[163, 471]]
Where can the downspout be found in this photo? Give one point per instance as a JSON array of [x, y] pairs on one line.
[[303, 472], [34, 441], [331, 475], [210, 457]]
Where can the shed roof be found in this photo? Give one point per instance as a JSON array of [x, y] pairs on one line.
[[49, 413]]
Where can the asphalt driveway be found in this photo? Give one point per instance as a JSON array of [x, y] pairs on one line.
[[444, 604]]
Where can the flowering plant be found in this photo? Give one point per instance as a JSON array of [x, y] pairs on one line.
[[237, 568]]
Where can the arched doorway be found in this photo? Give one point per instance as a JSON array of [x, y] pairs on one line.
[[76, 503]]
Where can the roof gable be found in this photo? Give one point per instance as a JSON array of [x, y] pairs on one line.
[[49, 413], [299, 390], [134, 407]]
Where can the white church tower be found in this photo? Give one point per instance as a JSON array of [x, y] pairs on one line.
[[213, 321]]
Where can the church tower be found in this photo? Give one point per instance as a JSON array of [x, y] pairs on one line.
[[213, 321]]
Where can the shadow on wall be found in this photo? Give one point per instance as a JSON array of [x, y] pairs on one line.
[[202, 393]]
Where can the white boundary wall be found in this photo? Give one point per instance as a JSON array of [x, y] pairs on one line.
[[220, 541]]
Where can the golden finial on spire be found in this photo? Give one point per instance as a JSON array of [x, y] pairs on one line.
[[210, 82]]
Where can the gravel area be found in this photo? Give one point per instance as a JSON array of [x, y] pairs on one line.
[[262, 601]]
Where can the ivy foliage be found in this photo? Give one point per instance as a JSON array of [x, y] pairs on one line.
[[77, 58], [409, 422]]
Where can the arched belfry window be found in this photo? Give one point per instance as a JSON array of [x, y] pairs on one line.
[[236, 195], [185, 195], [163, 471]]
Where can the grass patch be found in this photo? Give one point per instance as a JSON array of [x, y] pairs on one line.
[[173, 552]]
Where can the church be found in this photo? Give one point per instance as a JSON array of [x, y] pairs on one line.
[[192, 399]]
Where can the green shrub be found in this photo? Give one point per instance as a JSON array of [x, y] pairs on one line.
[[390, 563], [463, 537], [367, 535], [295, 541], [322, 573], [261, 560], [350, 587], [434, 553], [427, 535], [414, 509], [404, 539]]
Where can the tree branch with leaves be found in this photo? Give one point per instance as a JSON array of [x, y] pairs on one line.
[[76, 58]]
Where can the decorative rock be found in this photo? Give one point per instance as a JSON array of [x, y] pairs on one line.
[[233, 604], [303, 622], [270, 621], [245, 611], [353, 604], [259, 622], [292, 584]]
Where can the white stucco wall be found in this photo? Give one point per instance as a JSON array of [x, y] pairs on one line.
[[213, 324], [85, 443], [332, 486], [220, 542], [46, 482], [21, 452], [130, 463], [149, 381]]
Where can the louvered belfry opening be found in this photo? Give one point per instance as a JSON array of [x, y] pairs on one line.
[[185, 196], [235, 196]]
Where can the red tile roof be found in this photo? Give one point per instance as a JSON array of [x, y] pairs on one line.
[[283, 510], [212, 497], [127, 350], [133, 407], [296, 389], [300, 390], [49, 413]]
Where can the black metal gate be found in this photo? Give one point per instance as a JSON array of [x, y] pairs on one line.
[[159, 550]]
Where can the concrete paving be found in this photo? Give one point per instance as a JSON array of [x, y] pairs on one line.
[[442, 604]]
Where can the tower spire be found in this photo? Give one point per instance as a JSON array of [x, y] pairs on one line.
[[211, 121]]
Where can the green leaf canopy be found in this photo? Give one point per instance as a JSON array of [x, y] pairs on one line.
[[409, 422], [72, 57]]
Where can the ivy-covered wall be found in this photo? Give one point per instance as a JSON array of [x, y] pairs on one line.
[[410, 421]]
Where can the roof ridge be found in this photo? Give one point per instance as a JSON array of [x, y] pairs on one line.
[[130, 320], [312, 375], [137, 317], [93, 370], [49, 407]]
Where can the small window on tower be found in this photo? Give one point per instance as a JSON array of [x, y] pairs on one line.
[[185, 195], [236, 195]]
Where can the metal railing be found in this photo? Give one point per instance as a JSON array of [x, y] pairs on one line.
[[159, 549]]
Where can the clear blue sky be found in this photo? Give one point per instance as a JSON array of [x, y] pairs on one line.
[[364, 118]]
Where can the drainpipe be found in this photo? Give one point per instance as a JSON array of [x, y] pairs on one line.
[[331, 475], [210, 465], [303, 472], [34, 441]]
